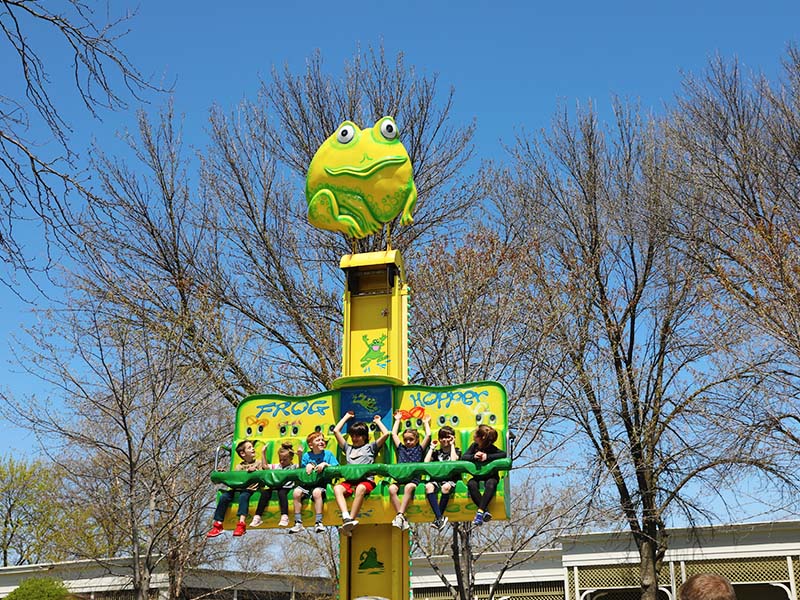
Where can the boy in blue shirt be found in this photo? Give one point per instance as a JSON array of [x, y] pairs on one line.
[[316, 459]]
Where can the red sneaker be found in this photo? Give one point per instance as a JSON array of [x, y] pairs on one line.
[[216, 529], [241, 529]]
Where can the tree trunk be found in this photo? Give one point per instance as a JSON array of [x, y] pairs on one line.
[[647, 570]]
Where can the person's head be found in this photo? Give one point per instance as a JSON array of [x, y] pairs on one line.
[[285, 454], [316, 442], [485, 436], [410, 437], [447, 436], [706, 586], [246, 451], [359, 434]]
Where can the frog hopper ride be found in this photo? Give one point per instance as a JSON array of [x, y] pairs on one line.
[[359, 181]]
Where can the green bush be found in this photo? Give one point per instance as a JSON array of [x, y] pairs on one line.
[[39, 589]]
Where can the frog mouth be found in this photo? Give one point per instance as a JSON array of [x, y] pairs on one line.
[[366, 170]]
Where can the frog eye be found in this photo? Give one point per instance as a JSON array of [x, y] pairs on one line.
[[389, 129], [346, 134]]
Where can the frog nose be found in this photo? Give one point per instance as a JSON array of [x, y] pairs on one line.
[[365, 158]]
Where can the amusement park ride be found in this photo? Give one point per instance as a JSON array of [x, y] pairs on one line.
[[357, 181]]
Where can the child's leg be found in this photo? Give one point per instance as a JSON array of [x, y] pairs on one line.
[[446, 489], [489, 490], [222, 506], [341, 502], [283, 500], [430, 494], [244, 504], [263, 501], [408, 496], [297, 501], [319, 501], [474, 492], [393, 497], [358, 499]]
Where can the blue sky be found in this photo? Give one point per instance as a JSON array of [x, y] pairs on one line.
[[511, 64]]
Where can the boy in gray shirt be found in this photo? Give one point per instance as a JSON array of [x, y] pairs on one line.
[[358, 452]]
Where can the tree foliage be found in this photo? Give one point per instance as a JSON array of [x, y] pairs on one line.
[[32, 512], [40, 588]]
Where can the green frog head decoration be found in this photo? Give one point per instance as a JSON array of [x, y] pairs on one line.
[[360, 179]]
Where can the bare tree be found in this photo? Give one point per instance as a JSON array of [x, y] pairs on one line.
[[739, 136], [35, 176], [136, 437], [645, 375], [470, 322], [238, 261]]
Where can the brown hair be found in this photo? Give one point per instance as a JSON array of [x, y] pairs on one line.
[[413, 432], [359, 429], [486, 435], [240, 446], [706, 586], [285, 450], [446, 431]]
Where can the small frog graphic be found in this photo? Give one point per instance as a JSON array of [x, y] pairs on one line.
[[369, 560], [368, 402], [374, 351]]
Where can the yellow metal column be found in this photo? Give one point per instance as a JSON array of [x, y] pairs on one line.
[[375, 560]]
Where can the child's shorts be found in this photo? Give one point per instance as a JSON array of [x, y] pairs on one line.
[[414, 480], [350, 486], [437, 485], [305, 493]]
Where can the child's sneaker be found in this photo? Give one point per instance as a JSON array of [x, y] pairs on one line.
[[319, 527], [284, 522], [440, 524], [478, 520], [216, 529], [398, 521], [256, 521], [347, 526], [487, 516], [296, 528], [404, 524], [241, 529]]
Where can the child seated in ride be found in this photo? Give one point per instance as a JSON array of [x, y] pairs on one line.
[[409, 450], [316, 459], [357, 452], [483, 451], [442, 450], [285, 461], [246, 451]]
